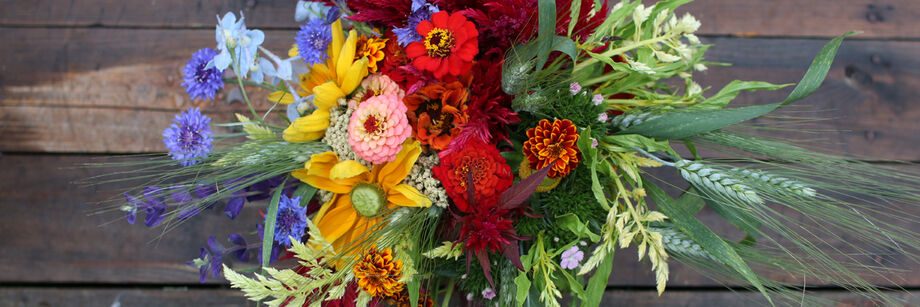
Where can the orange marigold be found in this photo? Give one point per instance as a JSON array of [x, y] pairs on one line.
[[378, 273], [372, 48], [553, 144], [436, 112]]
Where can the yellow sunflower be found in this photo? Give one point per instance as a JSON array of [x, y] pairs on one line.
[[360, 194], [328, 82]]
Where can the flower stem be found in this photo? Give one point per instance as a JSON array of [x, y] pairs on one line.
[[613, 52]]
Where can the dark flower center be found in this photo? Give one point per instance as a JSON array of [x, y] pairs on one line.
[[439, 42], [371, 124]]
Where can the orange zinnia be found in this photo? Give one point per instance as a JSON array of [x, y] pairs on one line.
[[436, 112], [553, 144]]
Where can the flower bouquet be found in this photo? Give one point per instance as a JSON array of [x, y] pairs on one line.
[[497, 153]]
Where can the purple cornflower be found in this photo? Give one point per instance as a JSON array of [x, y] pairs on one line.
[[312, 40], [291, 220], [188, 138], [421, 10], [571, 258], [201, 81], [602, 117], [488, 293]]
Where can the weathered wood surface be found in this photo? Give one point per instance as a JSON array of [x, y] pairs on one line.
[[878, 19], [35, 297], [97, 76], [86, 90]]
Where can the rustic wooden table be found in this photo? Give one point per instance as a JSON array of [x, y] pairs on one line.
[[83, 80]]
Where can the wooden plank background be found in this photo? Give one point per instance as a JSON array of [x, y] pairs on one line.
[[83, 80]]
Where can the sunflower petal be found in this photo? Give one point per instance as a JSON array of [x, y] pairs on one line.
[[347, 169], [354, 75], [281, 97], [346, 56], [404, 195], [393, 172], [338, 39], [327, 95], [338, 220]]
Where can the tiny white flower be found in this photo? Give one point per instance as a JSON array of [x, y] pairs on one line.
[[700, 67], [694, 89], [598, 99], [666, 57], [687, 24], [662, 16], [488, 293], [469, 296], [692, 39], [641, 67], [574, 88], [641, 13]]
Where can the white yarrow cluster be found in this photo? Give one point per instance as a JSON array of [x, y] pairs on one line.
[[420, 177]]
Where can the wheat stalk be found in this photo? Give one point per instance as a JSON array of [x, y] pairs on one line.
[[716, 180], [781, 182]]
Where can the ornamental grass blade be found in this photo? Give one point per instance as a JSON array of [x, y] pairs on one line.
[[545, 30], [269, 233], [700, 233], [598, 282], [521, 191], [681, 125]]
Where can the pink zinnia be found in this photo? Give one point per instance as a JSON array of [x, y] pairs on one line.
[[378, 127], [376, 85]]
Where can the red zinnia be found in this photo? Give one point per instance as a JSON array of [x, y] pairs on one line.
[[448, 46], [490, 174]]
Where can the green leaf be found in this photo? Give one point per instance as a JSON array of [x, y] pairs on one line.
[[523, 288], [574, 10], [817, 71], [565, 45], [584, 144], [730, 91], [628, 141], [596, 188], [598, 283], [306, 192], [700, 233], [571, 222], [546, 29], [574, 284], [414, 286], [685, 124], [269, 233]]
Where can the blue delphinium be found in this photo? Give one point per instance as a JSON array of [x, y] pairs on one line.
[[421, 10], [291, 220], [312, 40], [152, 203], [202, 81], [188, 138], [233, 35]]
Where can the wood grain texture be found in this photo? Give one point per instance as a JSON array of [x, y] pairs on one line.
[[51, 236], [826, 18], [128, 297], [868, 98], [725, 298]]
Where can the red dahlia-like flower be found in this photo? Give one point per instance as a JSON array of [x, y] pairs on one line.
[[553, 144], [448, 46], [490, 174]]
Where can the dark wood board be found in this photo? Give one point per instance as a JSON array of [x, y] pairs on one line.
[[51, 297], [59, 77], [825, 18]]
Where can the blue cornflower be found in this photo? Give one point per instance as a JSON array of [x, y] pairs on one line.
[[291, 220], [202, 81], [188, 138], [421, 10], [312, 40], [233, 35]]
